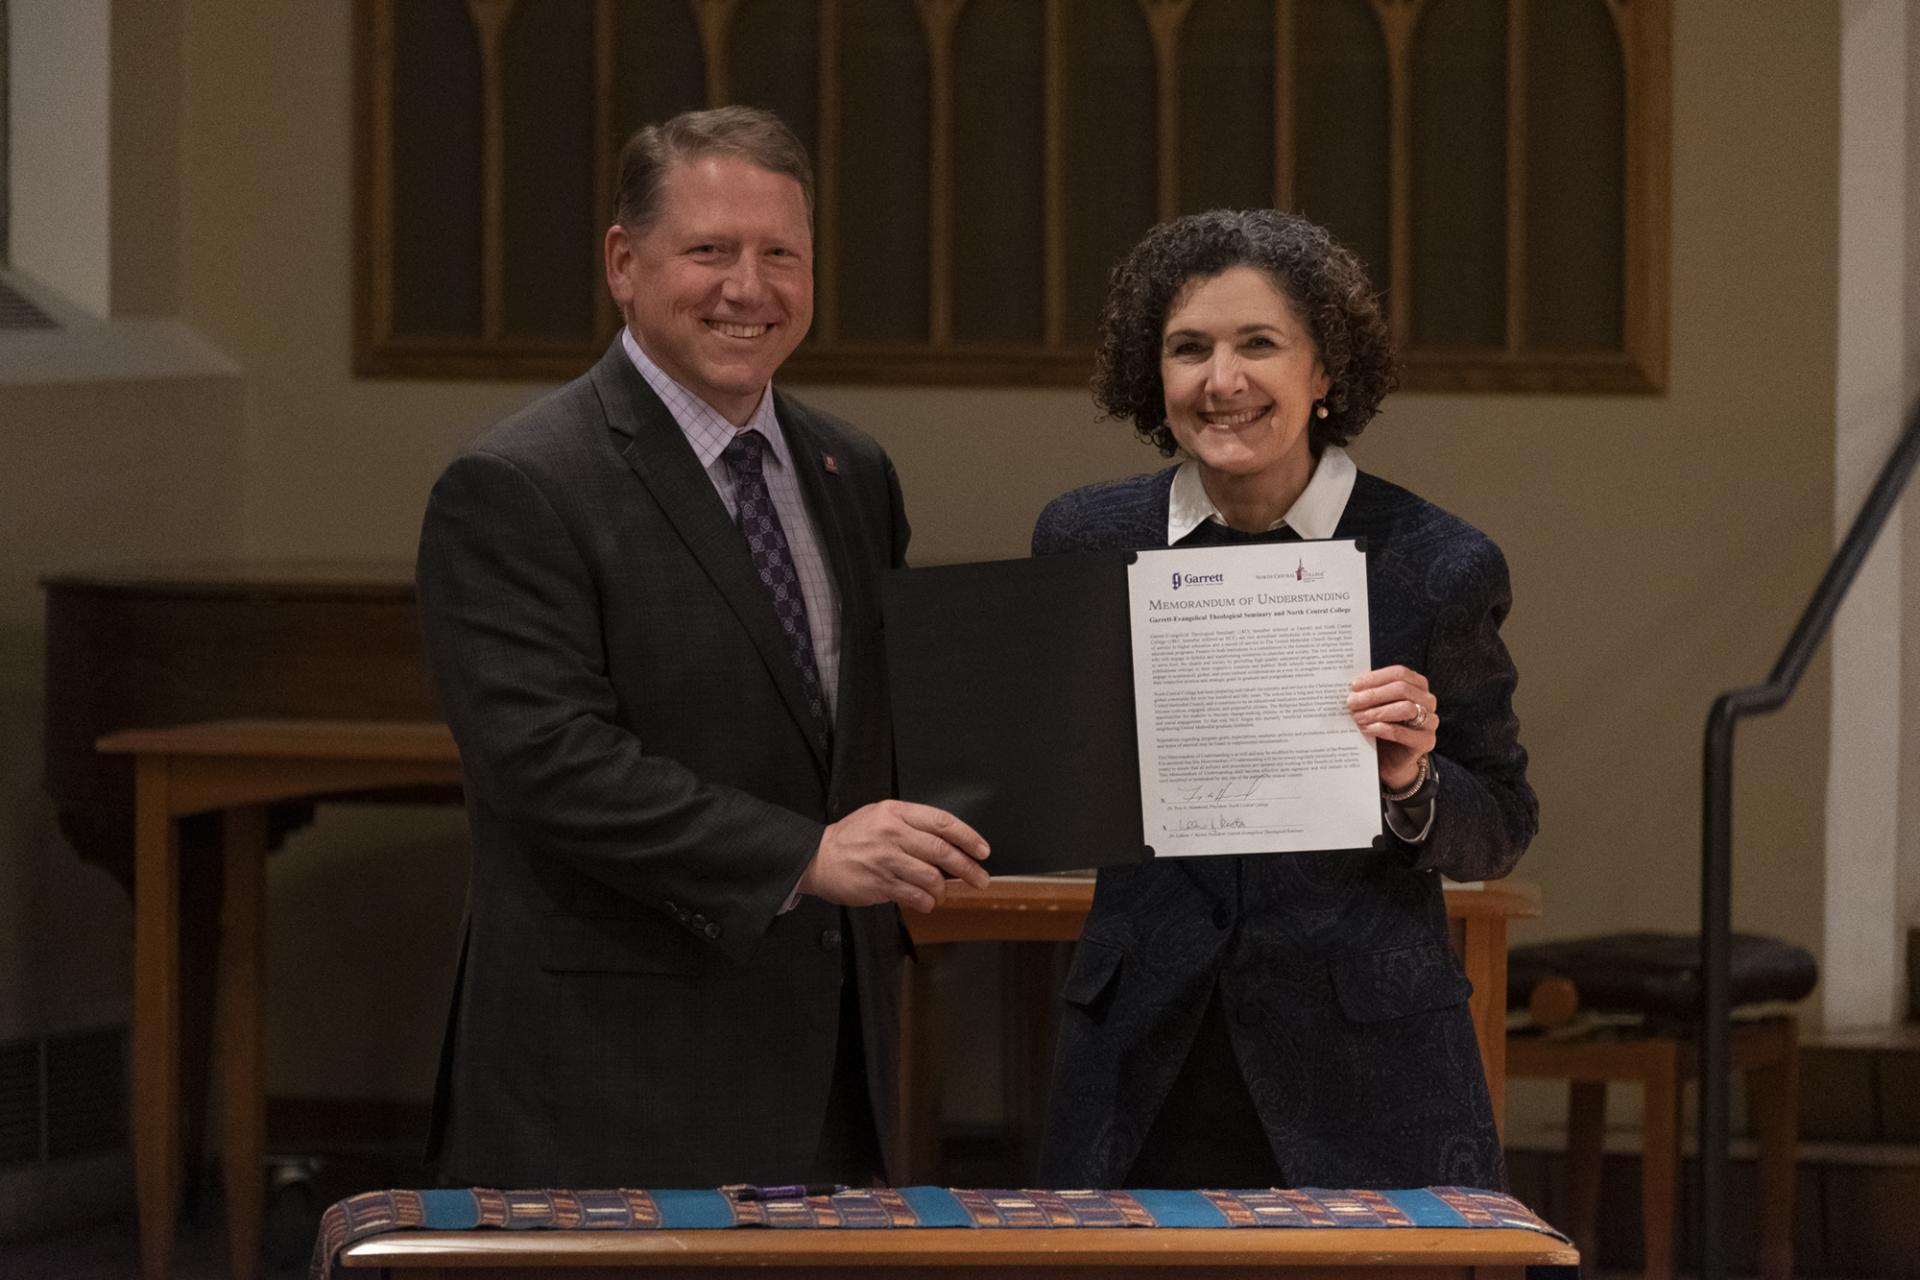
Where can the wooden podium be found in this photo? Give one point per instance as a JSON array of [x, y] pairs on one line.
[[1054, 908]]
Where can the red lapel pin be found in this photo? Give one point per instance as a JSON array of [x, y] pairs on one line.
[[827, 461]]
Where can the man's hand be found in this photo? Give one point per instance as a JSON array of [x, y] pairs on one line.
[[894, 851]]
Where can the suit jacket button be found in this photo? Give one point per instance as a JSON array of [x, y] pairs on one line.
[[1222, 917], [712, 930], [830, 940]]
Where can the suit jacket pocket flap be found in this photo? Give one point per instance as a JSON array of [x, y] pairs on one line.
[[617, 944], [1377, 985], [1094, 966]]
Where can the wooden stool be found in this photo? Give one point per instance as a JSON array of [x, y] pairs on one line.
[[1656, 977]]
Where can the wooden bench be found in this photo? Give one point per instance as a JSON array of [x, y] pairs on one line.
[[1656, 977]]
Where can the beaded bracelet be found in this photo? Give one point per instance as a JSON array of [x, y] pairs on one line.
[[1420, 779]]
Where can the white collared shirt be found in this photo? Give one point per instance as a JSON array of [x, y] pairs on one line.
[[1314, 514], [709, 433]]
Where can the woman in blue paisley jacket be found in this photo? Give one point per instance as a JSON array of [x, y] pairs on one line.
[[1291, 1019]]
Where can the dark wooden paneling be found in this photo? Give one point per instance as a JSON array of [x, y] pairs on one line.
[[773, 61], [1529, 280], [659, 69], [1112, 176], [1341, 104], [1226, 106], [1576, 178], [436, 169], [999, 274], [552, 261], [885, 203], [1460, 174]]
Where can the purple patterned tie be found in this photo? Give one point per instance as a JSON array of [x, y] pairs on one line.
[[773, 561]]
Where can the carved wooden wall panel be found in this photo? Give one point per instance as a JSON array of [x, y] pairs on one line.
[[1501, 165]]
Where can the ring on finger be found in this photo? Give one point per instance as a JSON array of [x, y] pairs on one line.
[[1419, 716]]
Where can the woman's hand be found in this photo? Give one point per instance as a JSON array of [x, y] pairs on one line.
[[1394, 707]]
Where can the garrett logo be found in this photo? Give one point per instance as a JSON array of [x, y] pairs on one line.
[[1197, 579], [1176, 582]]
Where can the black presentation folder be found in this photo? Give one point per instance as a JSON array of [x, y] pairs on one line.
[[1012, 686]]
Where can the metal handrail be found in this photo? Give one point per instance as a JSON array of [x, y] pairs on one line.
[[1716, 835]]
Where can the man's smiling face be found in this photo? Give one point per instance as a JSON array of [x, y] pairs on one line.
[[718, 289]]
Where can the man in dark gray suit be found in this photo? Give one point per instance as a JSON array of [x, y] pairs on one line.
[[649, 603]]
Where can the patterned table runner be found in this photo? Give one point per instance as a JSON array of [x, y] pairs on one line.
[[374, 1212]]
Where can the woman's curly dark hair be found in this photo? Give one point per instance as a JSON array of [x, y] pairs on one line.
[[1323, 279]]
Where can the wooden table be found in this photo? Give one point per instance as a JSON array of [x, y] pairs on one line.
[[1136, 1253], [239, 767], [1054, 908]]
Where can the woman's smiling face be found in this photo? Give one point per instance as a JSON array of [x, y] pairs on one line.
[[1241, 375]]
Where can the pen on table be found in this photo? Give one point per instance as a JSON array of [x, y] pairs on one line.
[[792, 1191]]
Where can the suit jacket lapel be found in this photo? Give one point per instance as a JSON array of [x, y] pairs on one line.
[[658, 452]]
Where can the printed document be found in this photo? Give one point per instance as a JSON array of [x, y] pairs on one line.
[[1241, 661]]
